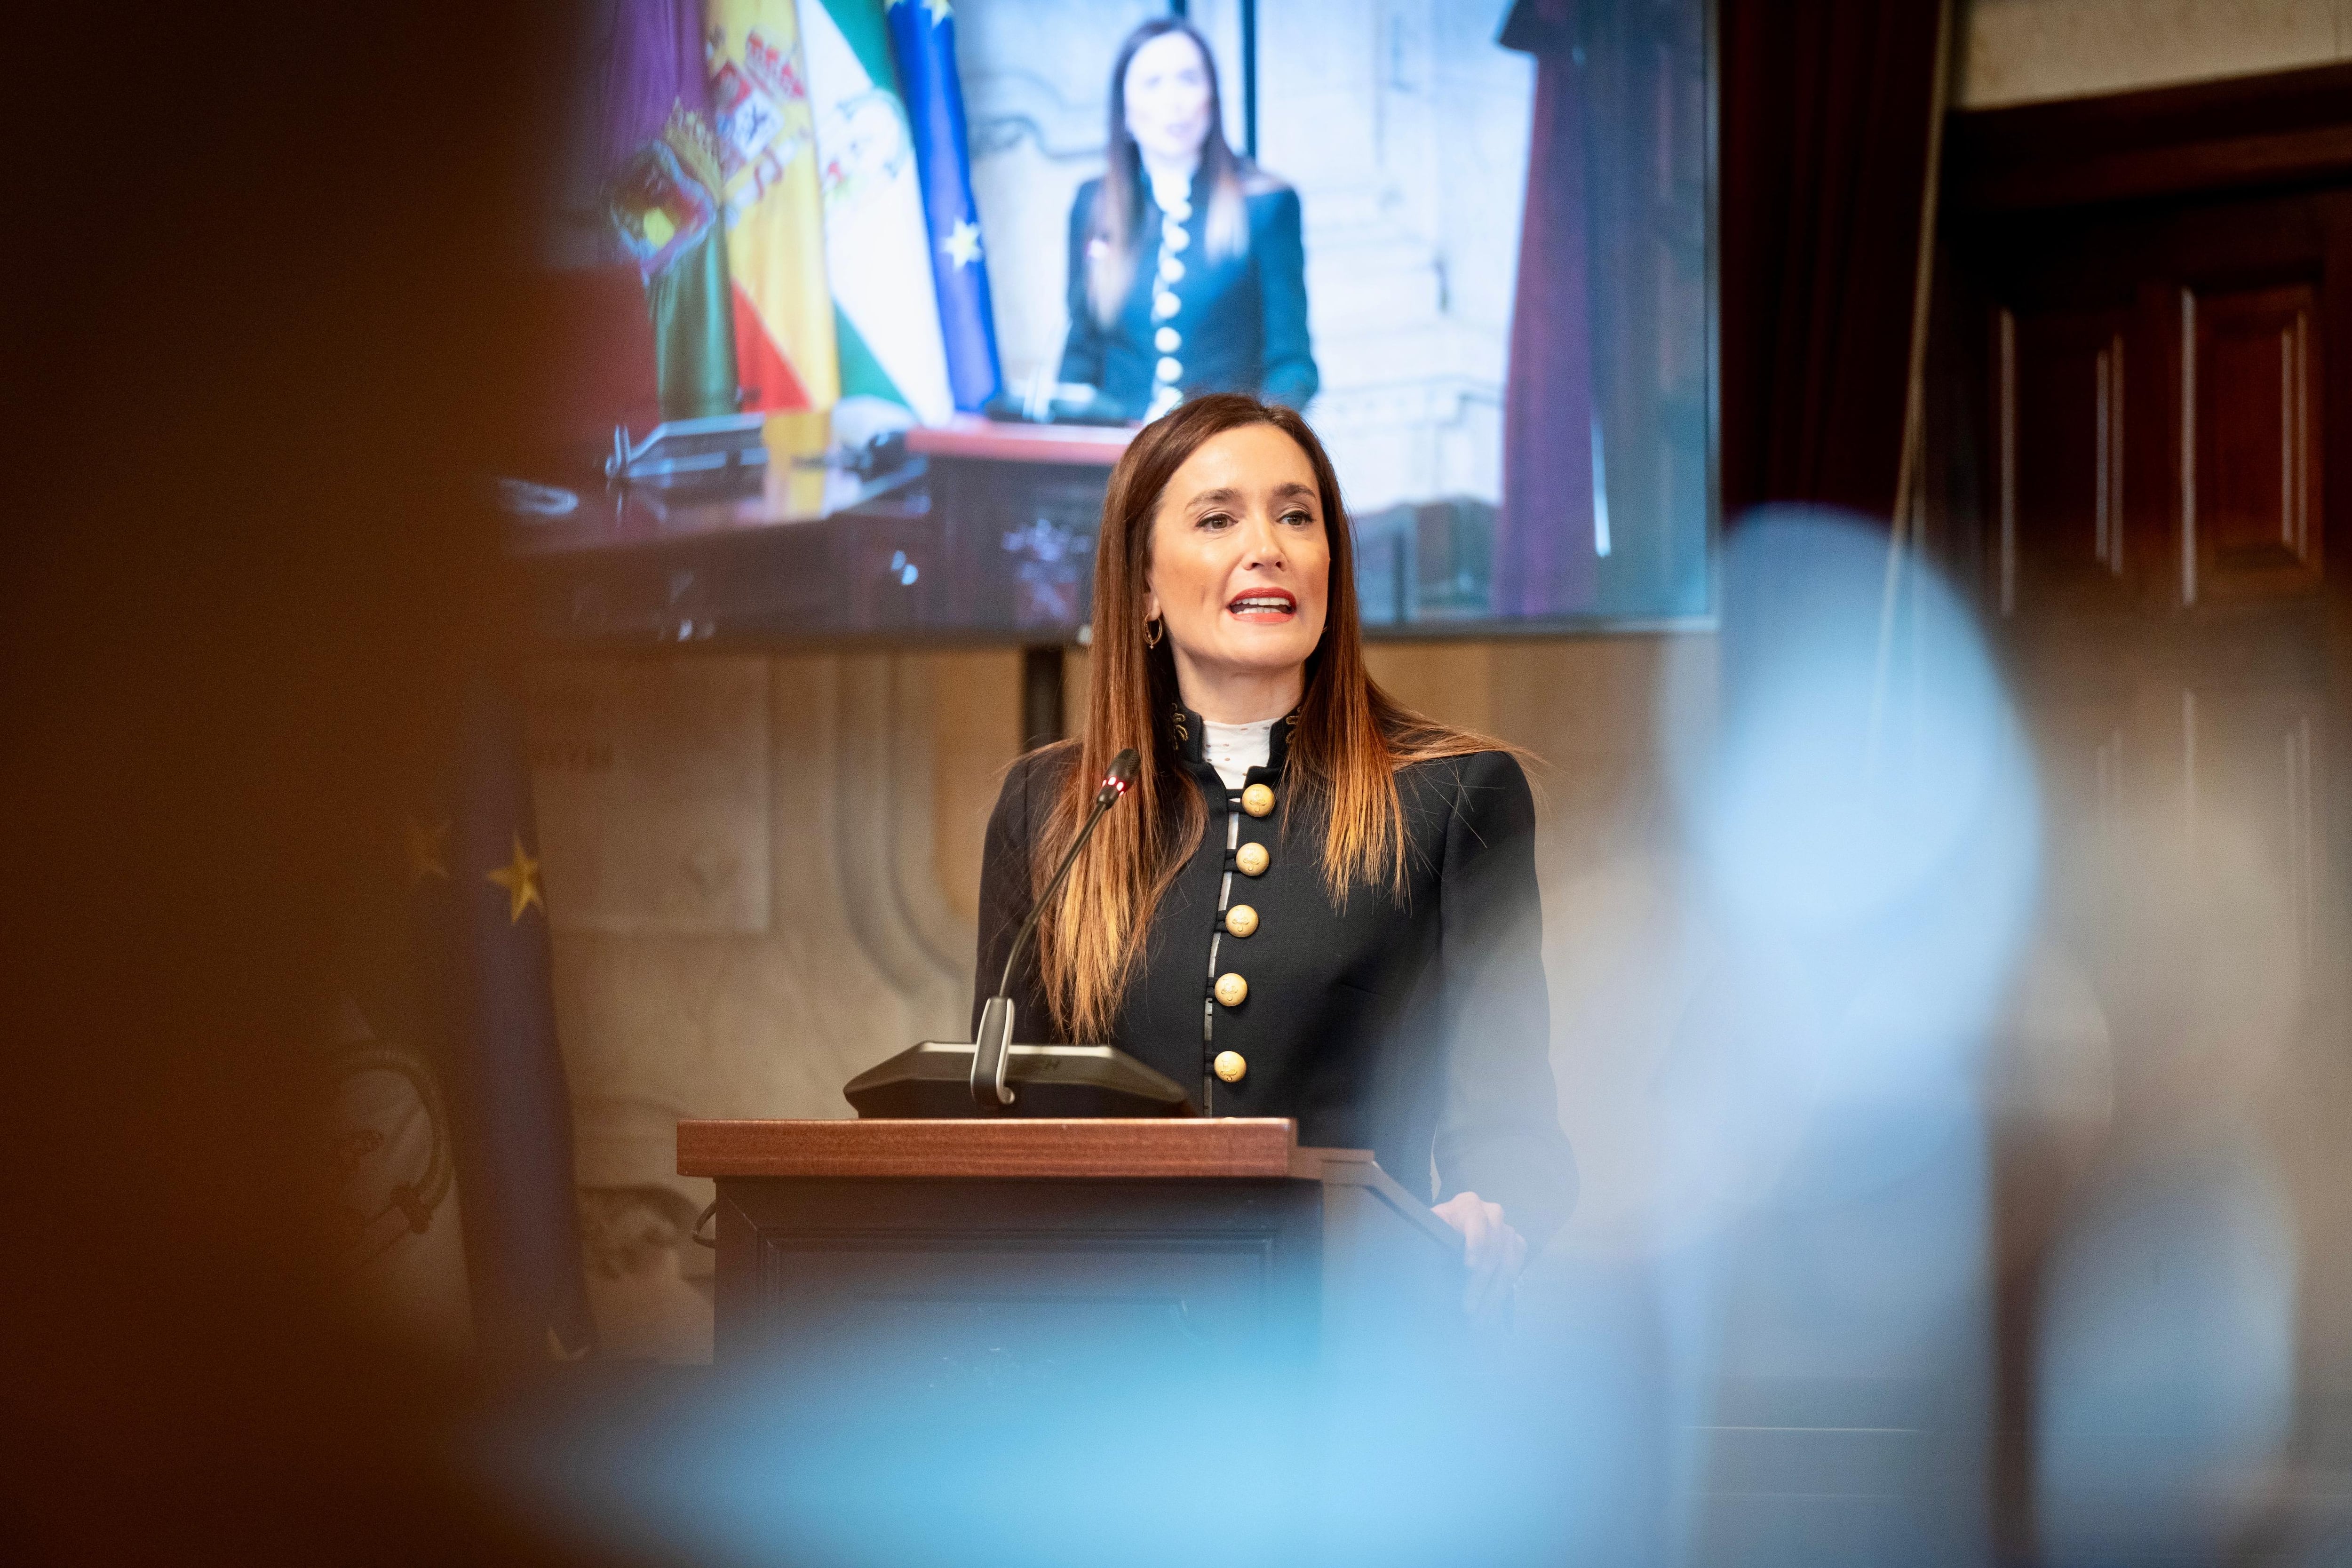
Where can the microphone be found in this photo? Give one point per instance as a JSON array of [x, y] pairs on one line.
[[992, 1050]]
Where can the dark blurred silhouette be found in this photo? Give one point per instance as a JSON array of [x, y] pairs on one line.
[[262, 342]]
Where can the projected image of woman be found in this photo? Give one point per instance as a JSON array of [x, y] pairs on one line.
[[1319, 904], [1187, 270]]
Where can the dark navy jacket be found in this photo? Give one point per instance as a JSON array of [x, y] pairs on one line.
[[1418, 1030], [1242, 321]]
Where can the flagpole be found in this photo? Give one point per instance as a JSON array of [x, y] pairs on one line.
[[1249, 79], [1908, 476]]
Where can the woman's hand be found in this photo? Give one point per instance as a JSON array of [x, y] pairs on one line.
[[1494, 1252]]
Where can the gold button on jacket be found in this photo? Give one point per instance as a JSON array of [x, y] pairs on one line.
[[1258, 800], [1252, 859], [1230, 1065], [1232, 989], [1241, 920]]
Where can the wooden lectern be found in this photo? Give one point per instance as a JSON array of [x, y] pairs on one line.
[[1071, 1251]]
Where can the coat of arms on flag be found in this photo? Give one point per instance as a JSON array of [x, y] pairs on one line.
[[784, 345]]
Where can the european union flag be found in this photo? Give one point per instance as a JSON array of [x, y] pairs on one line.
[[922, 36], [479, 924]]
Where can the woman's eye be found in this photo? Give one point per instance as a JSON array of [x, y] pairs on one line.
[[1216, 519], [1299, 519]]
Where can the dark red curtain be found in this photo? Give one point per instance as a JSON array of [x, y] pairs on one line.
[[1545, 560], [1824, 160]]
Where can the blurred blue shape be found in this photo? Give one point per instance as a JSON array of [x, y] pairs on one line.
[[1863, 763], [1468, 1451], [1862, 827], [2166, 1376], [1863, 830]]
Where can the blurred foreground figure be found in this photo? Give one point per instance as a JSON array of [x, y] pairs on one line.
[[269, 349], [1865, 838]]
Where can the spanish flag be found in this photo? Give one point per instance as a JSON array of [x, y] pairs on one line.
[[785, 354]]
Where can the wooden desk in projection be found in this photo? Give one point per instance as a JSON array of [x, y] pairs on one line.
[[1088, 1249]]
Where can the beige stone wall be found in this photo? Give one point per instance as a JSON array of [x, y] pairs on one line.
[[2020, 52]]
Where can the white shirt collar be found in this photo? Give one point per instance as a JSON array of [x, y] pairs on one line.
[[1234, 749]]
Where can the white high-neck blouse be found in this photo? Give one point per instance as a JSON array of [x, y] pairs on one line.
[[1234, 749]]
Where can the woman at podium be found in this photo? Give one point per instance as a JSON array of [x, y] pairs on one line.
[[1187, 269], [1317, 904]]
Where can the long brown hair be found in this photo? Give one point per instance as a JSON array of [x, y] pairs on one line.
[[1114, 227], [1348, 742]]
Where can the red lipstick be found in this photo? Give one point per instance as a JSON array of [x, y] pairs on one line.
[[1264, 604]]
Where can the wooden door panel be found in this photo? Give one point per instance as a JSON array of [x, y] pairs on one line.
[[2064, 408], [2255, 774], [2188, 744], [2250, 480]]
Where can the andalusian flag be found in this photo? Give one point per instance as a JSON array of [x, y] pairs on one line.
[[877, 245], [922, 34], [784, 349]]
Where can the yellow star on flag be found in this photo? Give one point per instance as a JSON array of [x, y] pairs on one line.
[[519, 877], [963, 245], [428, 849]]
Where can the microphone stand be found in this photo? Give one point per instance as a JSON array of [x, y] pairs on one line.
[[991, 1049]]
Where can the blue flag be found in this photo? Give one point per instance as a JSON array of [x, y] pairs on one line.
[[479, 929], [922, 36]]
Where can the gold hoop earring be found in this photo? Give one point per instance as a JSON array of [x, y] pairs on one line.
[[1153, 630]]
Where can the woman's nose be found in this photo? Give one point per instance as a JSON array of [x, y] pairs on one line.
[[1262, 546]]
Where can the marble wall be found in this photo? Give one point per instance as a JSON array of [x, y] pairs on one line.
[[2019, 51], [1404, 128]]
